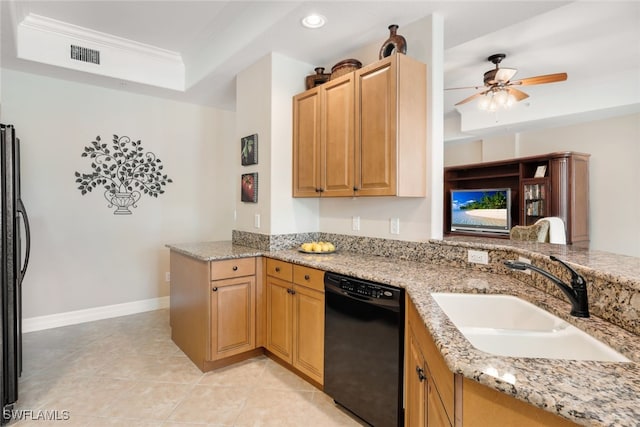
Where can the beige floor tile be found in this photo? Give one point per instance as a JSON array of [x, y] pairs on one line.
[[147, 400], [212, 405], [127, 372], [280, 378], [247, 373]]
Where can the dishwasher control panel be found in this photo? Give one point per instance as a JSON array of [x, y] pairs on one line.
[[365, 289], [362, 288]]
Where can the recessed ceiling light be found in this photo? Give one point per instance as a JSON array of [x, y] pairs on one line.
[[314, 21]]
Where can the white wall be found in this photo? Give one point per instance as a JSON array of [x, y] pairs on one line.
[[614, 175], [264, 106], [83, 255]]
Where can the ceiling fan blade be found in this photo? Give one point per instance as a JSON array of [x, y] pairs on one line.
[[518, 95], [472, 97], [538, 80], [464, 87]]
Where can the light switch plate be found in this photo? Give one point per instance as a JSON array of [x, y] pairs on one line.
[[256, 220], [394, 226], [355, 223]]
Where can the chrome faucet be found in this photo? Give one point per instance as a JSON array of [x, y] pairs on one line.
[[577, 292]]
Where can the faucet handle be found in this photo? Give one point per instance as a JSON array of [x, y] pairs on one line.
[[576, 279]]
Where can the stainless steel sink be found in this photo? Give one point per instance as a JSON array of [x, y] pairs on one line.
[[509, 326]]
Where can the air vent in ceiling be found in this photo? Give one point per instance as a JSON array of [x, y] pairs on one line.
[[85, 54]]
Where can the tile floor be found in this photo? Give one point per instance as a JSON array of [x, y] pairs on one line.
[[126, 371]]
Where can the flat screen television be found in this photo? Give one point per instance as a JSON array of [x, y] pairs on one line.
[[484, 211]]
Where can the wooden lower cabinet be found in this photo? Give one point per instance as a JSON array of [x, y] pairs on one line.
[[233, 324], [434, 397], [295, 317], [425, 382], [213, 308], [279, 318]]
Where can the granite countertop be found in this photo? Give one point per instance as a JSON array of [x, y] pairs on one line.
[[586, 392]]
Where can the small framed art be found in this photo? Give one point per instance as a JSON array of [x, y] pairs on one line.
[[249, 187], [249, 150]]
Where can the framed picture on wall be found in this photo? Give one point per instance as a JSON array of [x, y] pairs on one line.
[[249, 150], [249, 187]]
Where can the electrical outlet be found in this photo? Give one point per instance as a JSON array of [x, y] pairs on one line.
[[394, 226], [526, 261], [167, 276], [256, 220], [478, 257], [355, 223]]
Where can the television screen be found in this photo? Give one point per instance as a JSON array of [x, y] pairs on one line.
[[485, 210]]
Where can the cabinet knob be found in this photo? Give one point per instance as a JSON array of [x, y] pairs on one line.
[[420, 372], [215, 289], [277, 269], [321, 190], [306, 277], [317, 190], [235, 268], [355, 188], [293, 292]]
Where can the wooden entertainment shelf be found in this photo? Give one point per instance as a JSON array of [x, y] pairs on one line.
[[562, 190]]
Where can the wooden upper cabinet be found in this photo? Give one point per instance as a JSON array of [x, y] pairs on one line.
[[371, 128], [306, 143], [391, 115], [337, 137]]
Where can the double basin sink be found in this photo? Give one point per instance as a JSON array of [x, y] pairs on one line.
[[505, 325]]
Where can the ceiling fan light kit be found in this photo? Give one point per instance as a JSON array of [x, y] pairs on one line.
[[499, 92]]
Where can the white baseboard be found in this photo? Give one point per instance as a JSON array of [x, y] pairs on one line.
[[39, 323]]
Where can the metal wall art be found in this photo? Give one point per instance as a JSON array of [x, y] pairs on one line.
[[125, 171]]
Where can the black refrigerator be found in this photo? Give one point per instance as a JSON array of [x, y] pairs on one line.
[[14, 252]]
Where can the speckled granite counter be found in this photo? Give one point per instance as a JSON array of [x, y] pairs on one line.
[[589, 393]]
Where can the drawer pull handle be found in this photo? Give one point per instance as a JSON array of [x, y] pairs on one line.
[[277, 269], [235, 268], [306, 277], [215, 289], [420, 372]]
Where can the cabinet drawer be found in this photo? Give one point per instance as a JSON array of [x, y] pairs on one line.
[[280, 269], [230, 268], [308, 277]]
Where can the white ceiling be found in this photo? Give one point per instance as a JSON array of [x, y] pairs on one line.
[[589, 40]]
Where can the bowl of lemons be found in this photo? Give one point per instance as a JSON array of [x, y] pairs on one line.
[[317, 248]]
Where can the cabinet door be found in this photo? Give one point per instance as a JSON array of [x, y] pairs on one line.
[[337, 136], [415, 376], [306, 144], [308, 332], [436, 415], [279, 318], [232, 316], [376, 112]]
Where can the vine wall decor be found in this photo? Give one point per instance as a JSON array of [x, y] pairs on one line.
[[124, 170]]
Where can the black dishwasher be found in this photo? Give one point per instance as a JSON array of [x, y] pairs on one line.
[[364, 347]]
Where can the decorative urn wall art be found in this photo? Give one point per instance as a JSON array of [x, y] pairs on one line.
[[124, 170], [395, 43]]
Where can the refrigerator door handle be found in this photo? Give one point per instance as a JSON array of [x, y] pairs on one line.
[[23, 211]]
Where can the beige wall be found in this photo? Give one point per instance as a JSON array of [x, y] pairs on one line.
[[83, 255], [614, 174]]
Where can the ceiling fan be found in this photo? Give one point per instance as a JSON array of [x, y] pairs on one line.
[[499, 86]]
